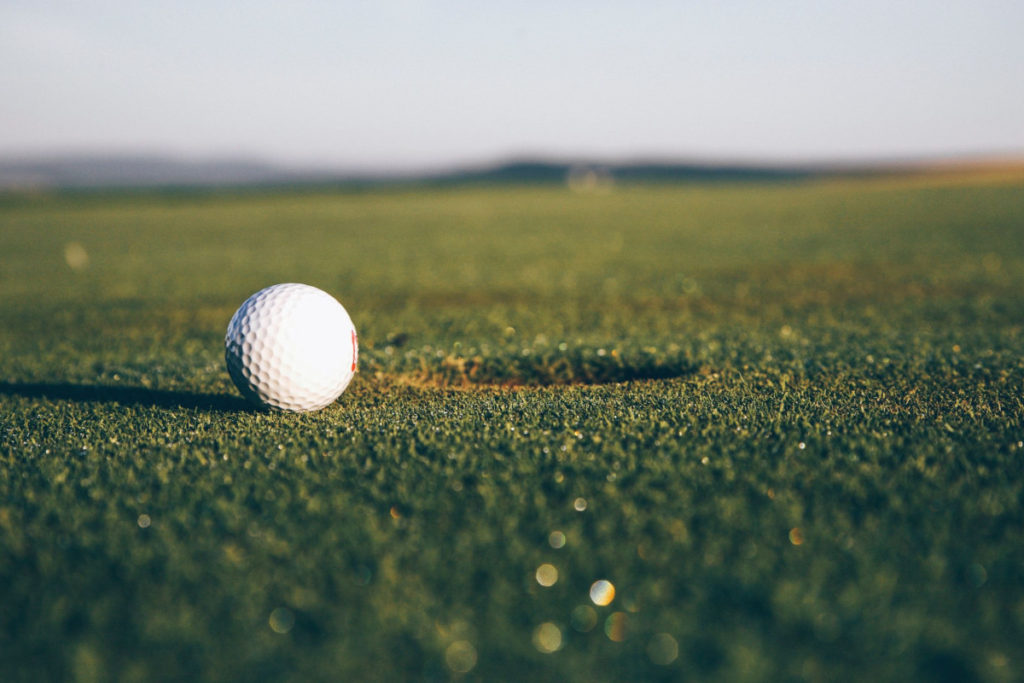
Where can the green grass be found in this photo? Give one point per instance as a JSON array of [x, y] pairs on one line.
[[795, 414]]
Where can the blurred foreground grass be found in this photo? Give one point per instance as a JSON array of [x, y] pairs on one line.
[[785, 422]]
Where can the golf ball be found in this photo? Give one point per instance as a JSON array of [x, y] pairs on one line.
[[291, 347]]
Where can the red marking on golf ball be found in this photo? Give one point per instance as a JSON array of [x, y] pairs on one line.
[[355, 351]]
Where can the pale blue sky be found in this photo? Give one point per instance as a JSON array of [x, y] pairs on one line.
[[409, 83]]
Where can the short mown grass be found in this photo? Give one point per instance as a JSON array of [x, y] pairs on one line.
[[785, 422]]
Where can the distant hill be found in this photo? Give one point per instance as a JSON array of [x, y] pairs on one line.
[[597, 172], [134, 171], [93, 172], [127, 171]]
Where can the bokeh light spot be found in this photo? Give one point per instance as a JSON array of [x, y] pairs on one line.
[[602, 592], [547, 638], [281, 620], [663, 649], [76, 256], [615, 626], [460, 656], [547, 575], [583, 618]]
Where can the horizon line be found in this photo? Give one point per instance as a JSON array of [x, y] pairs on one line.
[[500, 159]]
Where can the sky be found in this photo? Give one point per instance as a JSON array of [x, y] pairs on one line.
[[400, 84]]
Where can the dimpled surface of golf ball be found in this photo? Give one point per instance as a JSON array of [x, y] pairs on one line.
[[291, 347]]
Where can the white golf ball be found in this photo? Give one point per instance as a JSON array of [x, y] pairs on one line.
[[291, 347]]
